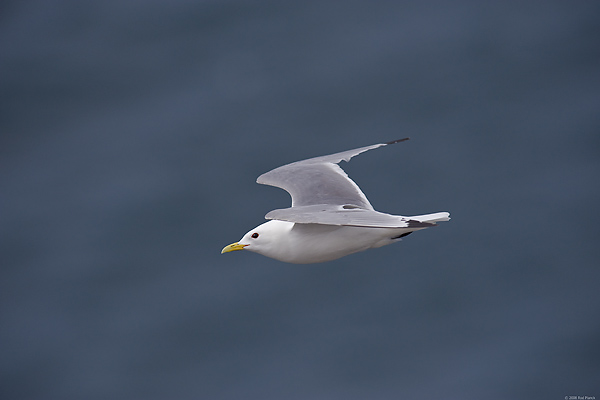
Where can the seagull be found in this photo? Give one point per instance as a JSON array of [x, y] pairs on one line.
[[330, 216]]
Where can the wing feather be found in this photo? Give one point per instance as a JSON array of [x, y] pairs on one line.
[[320, 180], [346, 215]]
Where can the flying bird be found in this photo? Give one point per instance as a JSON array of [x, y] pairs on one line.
[[330, 216]]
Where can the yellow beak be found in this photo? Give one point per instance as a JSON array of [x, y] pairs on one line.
[[233, 247]]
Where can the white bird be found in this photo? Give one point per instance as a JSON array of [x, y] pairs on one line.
[[330, 216]]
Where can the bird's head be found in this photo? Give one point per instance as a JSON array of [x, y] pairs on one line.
[[266, 239]]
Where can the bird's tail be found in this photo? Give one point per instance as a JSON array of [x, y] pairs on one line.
[[432, 218]]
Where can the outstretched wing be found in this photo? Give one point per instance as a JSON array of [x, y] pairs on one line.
[[320, 180], [345, 215]]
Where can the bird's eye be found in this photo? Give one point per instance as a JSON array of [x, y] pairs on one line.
[[254, 235]]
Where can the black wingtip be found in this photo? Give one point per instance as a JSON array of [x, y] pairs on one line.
[[418, 224], [397, 141]]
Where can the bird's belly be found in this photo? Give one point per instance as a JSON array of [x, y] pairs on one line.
[[313, 243]]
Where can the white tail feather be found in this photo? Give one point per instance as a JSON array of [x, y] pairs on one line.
[[435, 217]]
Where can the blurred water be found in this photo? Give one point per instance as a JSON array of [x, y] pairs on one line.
[[132, 133]]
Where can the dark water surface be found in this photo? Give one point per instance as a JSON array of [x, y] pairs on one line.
[[131, 136]]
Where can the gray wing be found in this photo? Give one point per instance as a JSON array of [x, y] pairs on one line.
[[344, 215], [320, 180]]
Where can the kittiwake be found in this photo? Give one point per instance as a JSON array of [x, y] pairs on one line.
[[330, 216]]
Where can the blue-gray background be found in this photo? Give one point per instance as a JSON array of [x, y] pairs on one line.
[[131, 136]]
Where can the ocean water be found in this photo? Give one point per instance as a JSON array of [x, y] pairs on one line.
[[131, 137]]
